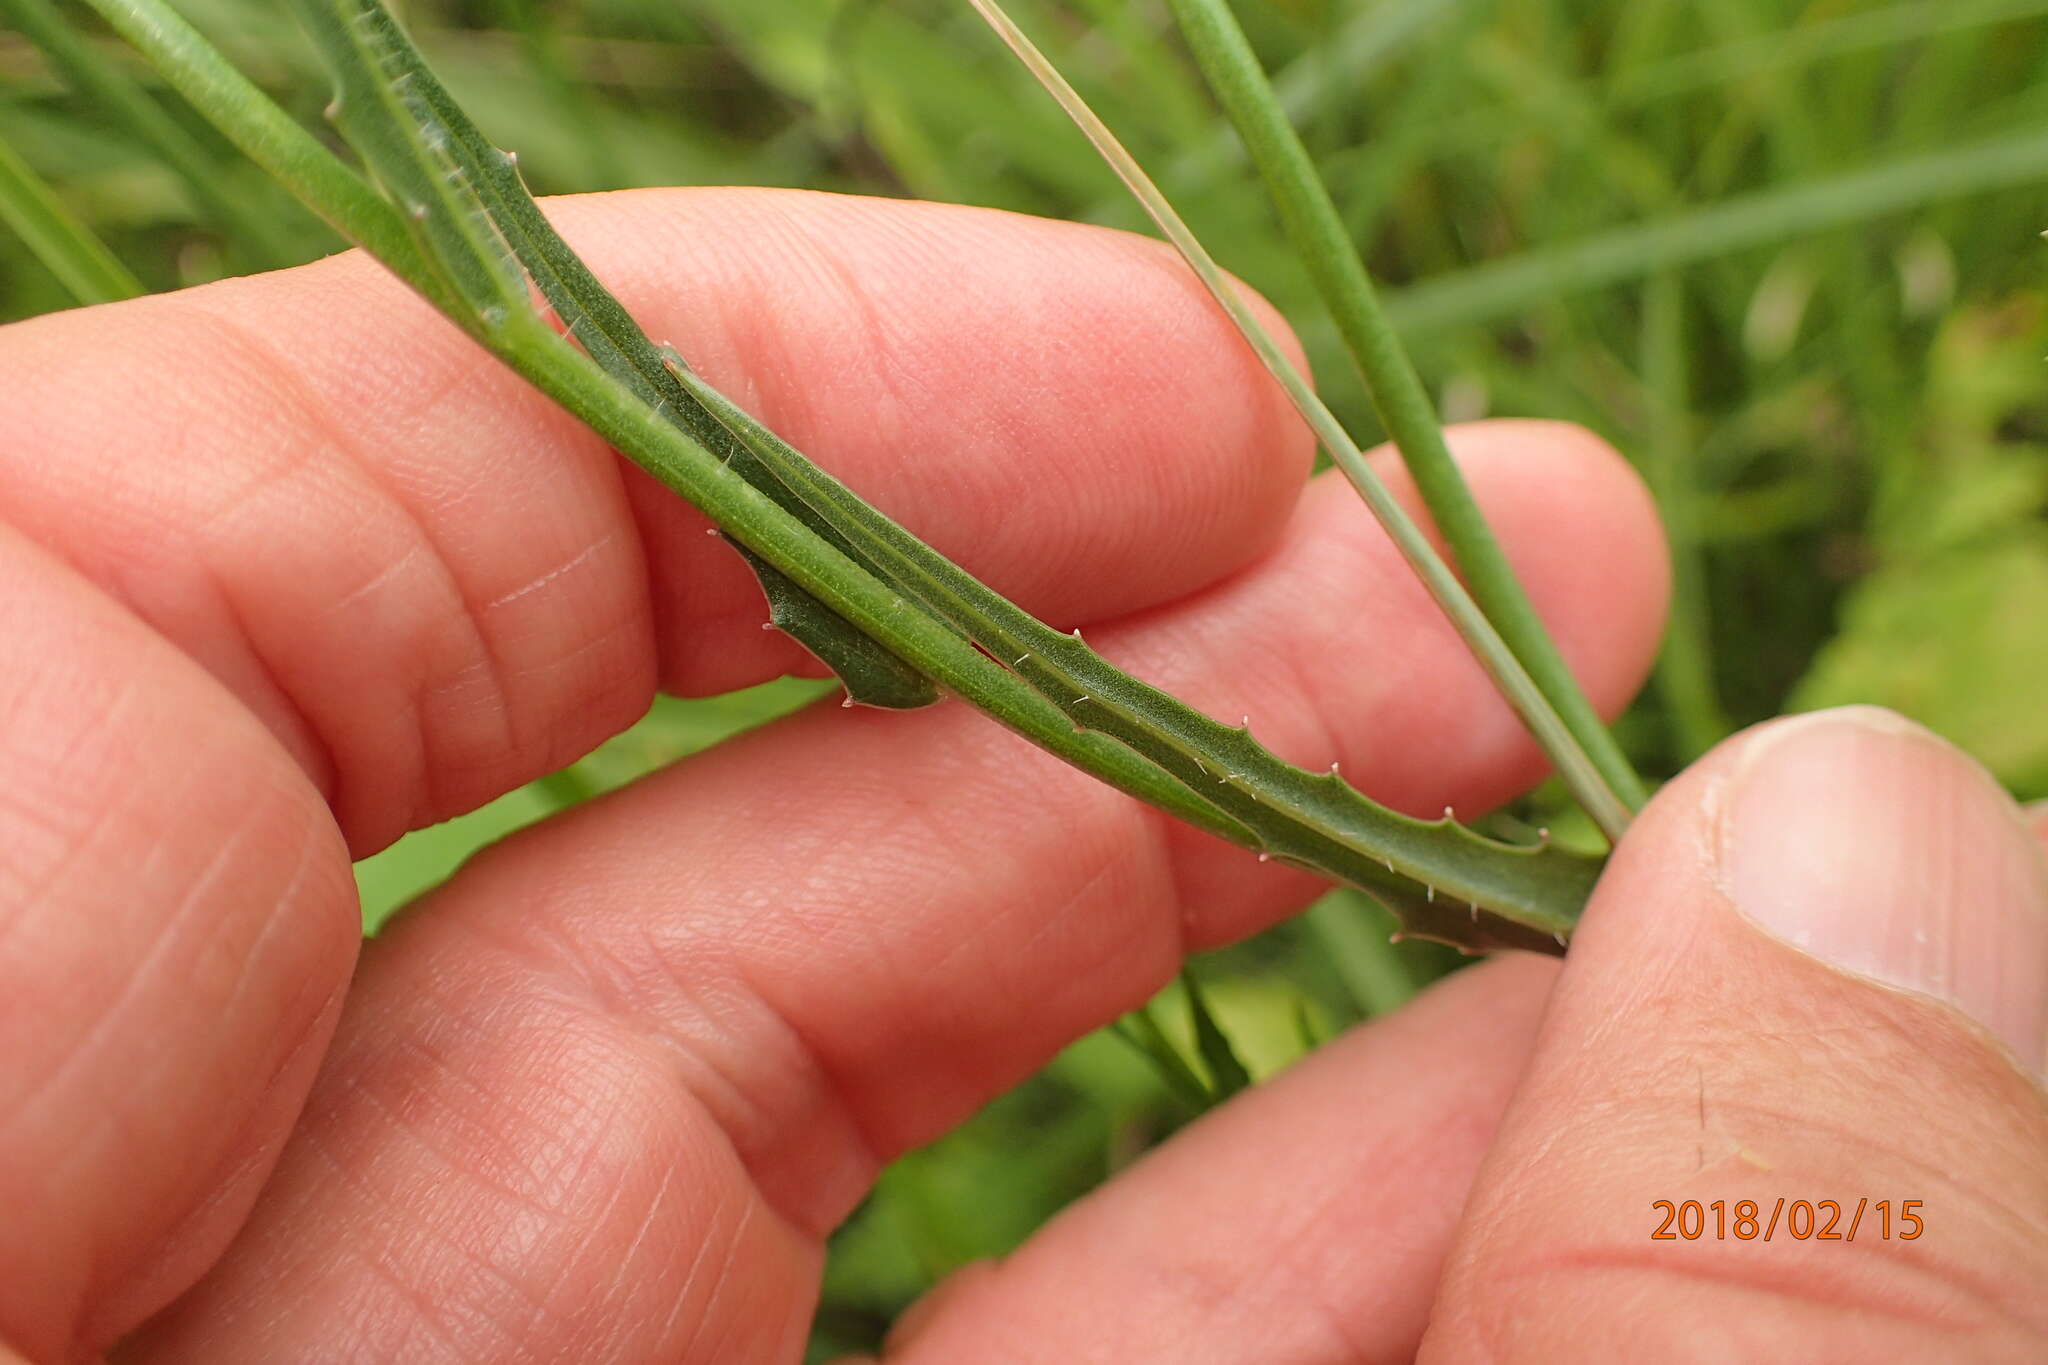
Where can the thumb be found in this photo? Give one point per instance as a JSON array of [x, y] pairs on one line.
[[1785, 1103]]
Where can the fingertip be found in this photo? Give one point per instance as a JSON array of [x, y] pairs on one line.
[[1582, 530]]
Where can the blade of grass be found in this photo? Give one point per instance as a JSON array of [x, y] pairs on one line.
[[113, 92], [1227, 1072], [1806, 43], [1364, 957], [1580, 773], [80, 261], [1684, 673], [1142, 1032], [1546, 274], [1316, 231]]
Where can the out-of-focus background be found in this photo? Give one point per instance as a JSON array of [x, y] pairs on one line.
[[1783, 252]]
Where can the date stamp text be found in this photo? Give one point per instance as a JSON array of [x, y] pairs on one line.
[[1798, 1220]]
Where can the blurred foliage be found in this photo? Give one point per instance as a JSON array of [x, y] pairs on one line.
[[1782, 252]]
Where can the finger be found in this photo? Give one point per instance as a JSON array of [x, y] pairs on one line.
[[1304, 1223], [433, 586], [1807, 977], [715, 1003], [399, 560], [177, 921]]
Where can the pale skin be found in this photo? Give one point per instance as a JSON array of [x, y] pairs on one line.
[[288, 568]]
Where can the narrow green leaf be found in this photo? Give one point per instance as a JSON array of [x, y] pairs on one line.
[[79, 260], [129, 105], [1494, 895], [871, 675], [1306, 1030], [1808, 42], [1355, 936], [1142, 1032], [1227, 1073], [1549, 274], [390, 118]]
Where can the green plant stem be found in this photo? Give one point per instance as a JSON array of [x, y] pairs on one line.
[[750, 516], [458, 252], [1312, 819], [1316, 231], [79, 260], [122, 99], [1579, 772], [1684, 674]]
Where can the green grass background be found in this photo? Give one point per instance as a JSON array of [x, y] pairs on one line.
[[1783, 252]]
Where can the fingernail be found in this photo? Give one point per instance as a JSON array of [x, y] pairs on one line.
[[1875, 846]]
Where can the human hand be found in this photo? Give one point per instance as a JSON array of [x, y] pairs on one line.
[[308, 571]]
